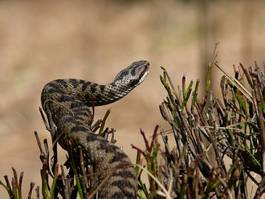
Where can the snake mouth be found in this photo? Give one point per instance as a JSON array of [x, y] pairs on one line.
[[145, 71], [147, 65]]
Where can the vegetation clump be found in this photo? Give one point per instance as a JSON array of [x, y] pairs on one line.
[[218, 148]]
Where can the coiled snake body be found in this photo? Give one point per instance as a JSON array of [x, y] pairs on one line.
[[67, 104]]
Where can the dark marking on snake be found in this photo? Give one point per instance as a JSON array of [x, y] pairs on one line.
[[118, 157], [125, 174], [78, 129], [93, 88], [118, 195], [121, 183], [85, 85], [91, 138], [61, 82], [102, 88], [66, 98], [74, 82]]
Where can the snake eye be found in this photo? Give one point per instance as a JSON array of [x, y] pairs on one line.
[[123, 73]]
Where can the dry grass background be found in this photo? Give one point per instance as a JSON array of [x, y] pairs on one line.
[[93, 40]]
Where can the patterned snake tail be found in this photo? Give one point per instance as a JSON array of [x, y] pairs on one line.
[[67, 104]]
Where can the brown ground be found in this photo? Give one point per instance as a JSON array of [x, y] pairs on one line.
[[41, 41]]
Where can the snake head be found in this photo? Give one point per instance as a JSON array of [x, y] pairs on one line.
[[133, 75]]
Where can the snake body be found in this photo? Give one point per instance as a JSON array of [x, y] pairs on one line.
[[67, 104]]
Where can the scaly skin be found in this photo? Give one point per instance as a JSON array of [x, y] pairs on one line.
[[67, 104]]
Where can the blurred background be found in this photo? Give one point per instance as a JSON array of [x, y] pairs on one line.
[[44, 40]]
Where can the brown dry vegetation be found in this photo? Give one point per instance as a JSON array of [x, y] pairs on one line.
[[93, 40]]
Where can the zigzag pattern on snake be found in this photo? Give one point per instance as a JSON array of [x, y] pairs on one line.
[[67, 104]]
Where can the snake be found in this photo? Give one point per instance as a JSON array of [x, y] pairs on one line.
[[67, 104]]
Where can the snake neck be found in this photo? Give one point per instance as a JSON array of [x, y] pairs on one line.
[[118, 90], [98, 95]]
